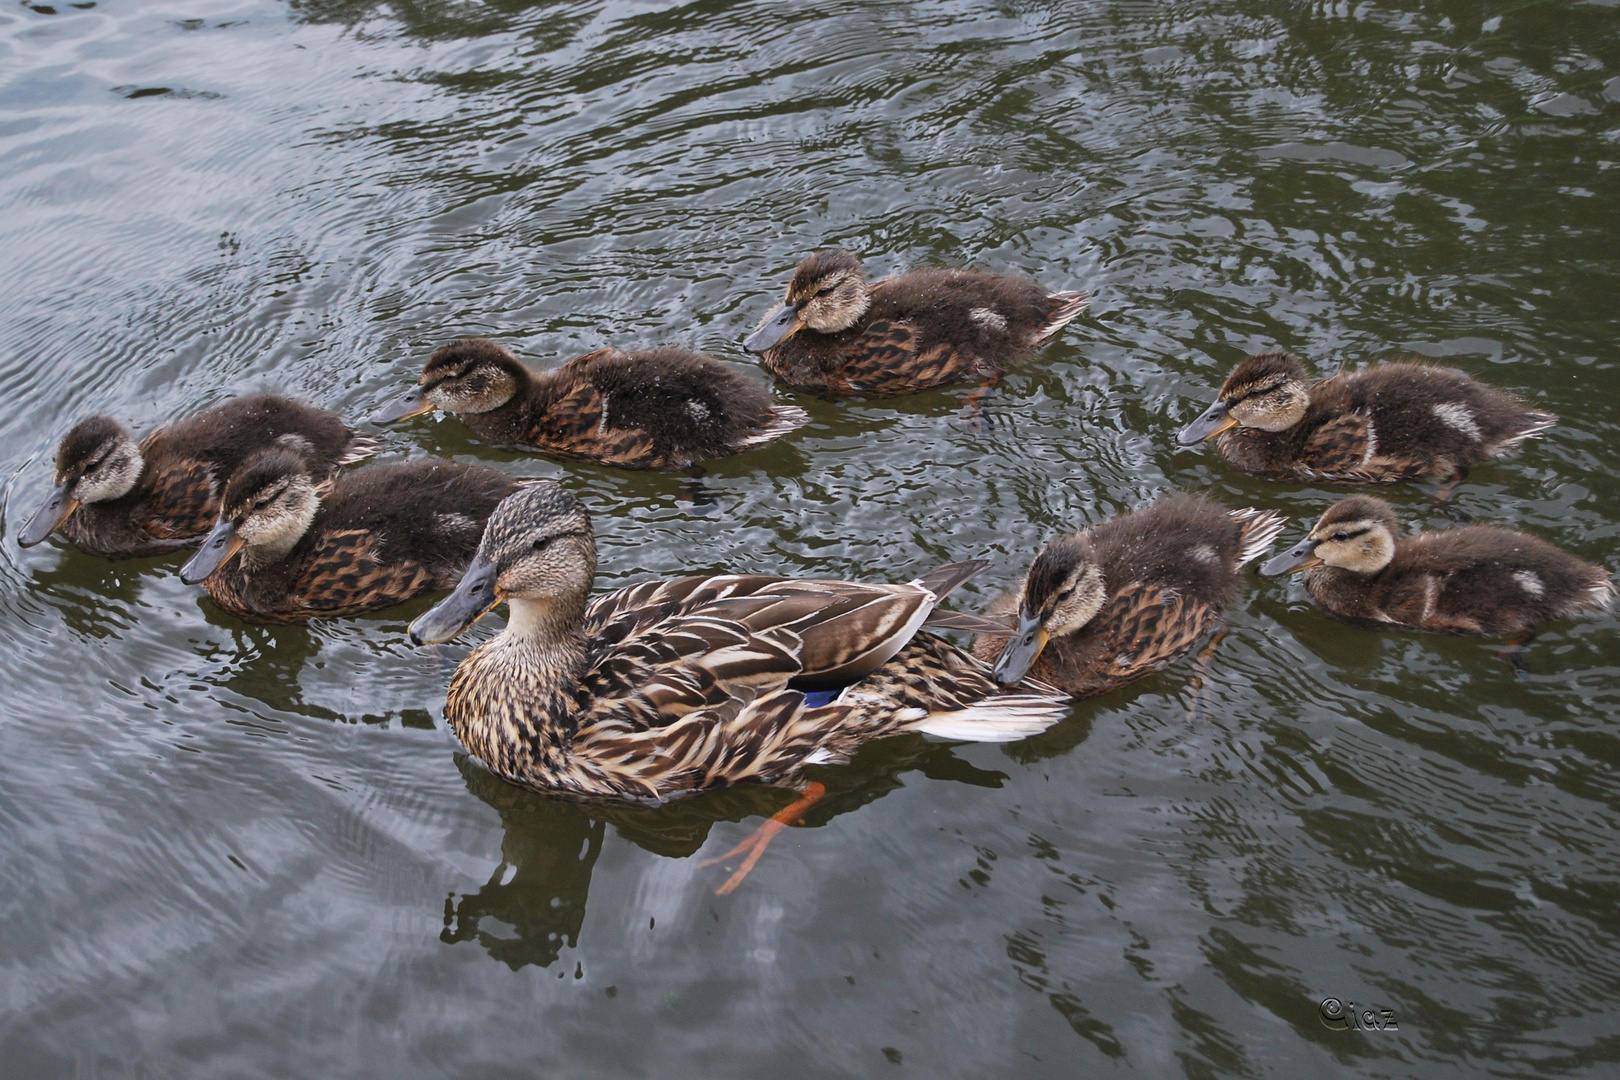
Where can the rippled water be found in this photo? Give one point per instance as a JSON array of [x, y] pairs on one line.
[[241, 851]]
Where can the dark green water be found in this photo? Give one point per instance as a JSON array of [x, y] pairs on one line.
[[236, 851]]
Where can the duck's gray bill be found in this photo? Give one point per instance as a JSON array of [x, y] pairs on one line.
[[51, 513], [783, 321], [217, 547], [1021, 652], [1298, 557], [466, 605], [1214, 421], [412, 402]]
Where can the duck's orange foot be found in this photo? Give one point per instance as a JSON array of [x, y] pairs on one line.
[[756, 842]]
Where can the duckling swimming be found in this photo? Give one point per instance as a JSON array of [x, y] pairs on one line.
[[835, 334], [118, 500], [670, 687], [1113, 603], [663, 408], [1388, 423], [1477, 579], [369, 540]]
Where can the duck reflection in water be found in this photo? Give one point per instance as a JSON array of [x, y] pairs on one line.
[[551, 844]]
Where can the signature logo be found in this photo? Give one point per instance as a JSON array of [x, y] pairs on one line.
[[1345, 1016]]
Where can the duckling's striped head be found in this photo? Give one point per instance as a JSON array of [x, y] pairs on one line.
[[471, 375], [1356, 534], [267, 506], [1268, 391], [97, 461], [538, 553], [1063, 591], [827, 294]]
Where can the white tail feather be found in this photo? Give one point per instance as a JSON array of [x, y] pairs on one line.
[[1535, 424], [784, 418], [1600, 594], [998, 719], [1260, 528], [1070, 304], [359, 448]]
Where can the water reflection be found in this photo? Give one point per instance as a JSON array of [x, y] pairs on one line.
[[538, 890], [532, 907]]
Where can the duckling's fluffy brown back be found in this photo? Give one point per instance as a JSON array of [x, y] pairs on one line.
[[658, 408], [691, 406], [1478, 579], [1183, 542], [1391, 422], [1169, 569], [226, 434], [382, 535], [927, 329]]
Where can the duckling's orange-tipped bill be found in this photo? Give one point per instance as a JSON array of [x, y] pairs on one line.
[[1021, 652], [1302, 556], [412, 402], [778, 326], [1215, 420], [221, 543], [57, 508], [472, 600]]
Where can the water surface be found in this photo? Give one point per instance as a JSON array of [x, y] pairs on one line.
[[233, 850]]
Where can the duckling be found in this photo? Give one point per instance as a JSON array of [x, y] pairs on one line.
[[671, 687], [1113, 603], [835, 334], [368, 540], [118, 500], [663, 408], [1392, 422], [1477, 579]]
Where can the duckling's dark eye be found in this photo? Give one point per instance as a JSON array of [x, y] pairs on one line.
[[260, 504], [1065, 596], [825, 290], [541, 545], [1341, 536]]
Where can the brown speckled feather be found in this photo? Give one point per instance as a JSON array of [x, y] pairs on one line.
[[722, 731], [845, 629], [1141, 630], [338, 575]]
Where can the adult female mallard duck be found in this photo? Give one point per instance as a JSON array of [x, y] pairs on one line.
[[671, 687], [663, 408], [369, 540], [836, 334], [1477, 579], [117, 499], [1108, 605], [1391, 422]]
